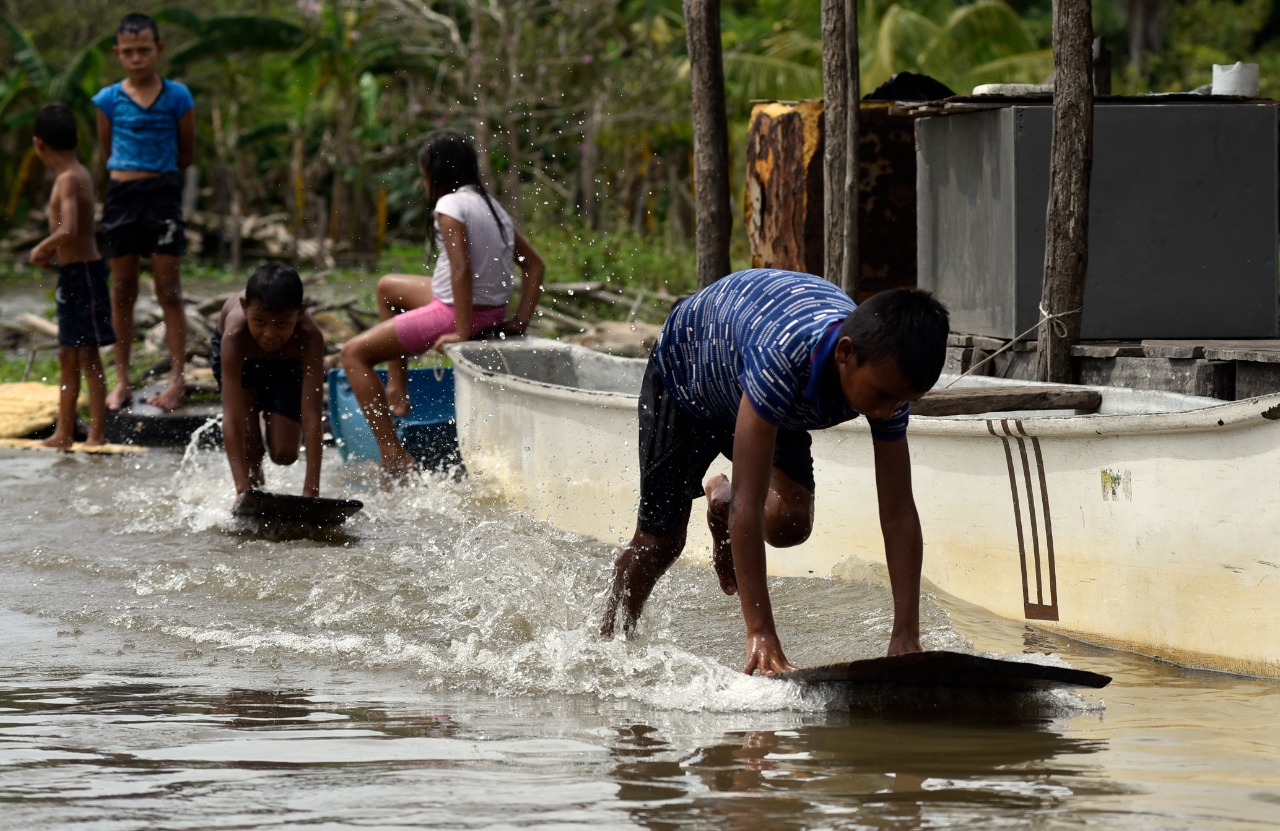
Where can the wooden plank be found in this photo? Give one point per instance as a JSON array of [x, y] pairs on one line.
[[945, 669], [1258, 351], [974, 400], [288, 509]]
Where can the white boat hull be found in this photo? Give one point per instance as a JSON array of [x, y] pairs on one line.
[[1153, 532]]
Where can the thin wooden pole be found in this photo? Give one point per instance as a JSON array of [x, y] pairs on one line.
[[835, 143], [1066, 255], [710, 139], [852, 188]]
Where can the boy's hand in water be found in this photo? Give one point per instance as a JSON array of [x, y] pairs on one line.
[[764, 653]]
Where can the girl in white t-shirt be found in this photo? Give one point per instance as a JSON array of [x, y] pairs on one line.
[[477, 248]]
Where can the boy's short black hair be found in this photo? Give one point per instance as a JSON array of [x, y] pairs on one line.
[[904, 326], [56, 127], [136, 22], [276, 287]]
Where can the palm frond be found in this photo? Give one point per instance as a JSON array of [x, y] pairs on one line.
[[227, 35], [987, 30], [25, 55], [795, 46], [181, 16], [899, 44], [760, 76], [1034, 67]]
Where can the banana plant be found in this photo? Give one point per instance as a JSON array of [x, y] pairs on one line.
[[32, 83], [962, 46]]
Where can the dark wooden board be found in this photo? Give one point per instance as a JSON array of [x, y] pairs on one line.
[[292, 509], [944, 669], [139, 423], [975, 400]]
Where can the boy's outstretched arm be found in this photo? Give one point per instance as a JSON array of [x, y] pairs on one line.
[[903, 541], [753, 443], [235, 416], [312, 407]]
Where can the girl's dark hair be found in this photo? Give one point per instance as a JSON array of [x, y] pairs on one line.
[[56, 127], [905, 327], [275, 287], [135, 23], [449, 162]]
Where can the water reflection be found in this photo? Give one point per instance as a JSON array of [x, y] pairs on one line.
[[873, 773]]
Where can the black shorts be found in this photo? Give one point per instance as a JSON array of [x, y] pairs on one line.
[[276, 384], [144, 216], [84, 305], [676, 449]]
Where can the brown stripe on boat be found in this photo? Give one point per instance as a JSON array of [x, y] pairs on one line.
[[1033, 608]]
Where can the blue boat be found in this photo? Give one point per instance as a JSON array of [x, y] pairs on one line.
[[429, 431]]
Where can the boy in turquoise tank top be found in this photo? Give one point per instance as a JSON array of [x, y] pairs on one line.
[[146, 127]]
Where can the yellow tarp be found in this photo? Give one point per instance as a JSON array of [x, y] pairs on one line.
[[27, 407], [78, 447]]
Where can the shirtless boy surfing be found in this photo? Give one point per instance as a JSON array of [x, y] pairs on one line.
[[268, 360]]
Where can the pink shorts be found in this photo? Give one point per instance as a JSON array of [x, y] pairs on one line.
[[419, 329]]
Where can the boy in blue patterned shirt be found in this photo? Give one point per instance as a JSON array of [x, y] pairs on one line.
[[745, 368], [146, 127]]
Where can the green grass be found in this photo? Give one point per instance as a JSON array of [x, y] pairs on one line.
[[44, 368]]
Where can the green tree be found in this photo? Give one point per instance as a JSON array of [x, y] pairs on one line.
[[960, 45], [32, 83]]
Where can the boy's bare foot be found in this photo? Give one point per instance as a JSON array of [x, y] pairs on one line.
[[172, 396], [119, 397], [59, 442], [398, 401], [95, 441], [718, 493], [395, 470]]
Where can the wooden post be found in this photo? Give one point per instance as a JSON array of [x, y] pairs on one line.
[[840, 141], [710, 139], [1066, 255], [852, 181], [835, 139]]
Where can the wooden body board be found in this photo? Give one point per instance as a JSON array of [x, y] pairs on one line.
[[292, 509], [78, 447], [139, 423], [944, 669]]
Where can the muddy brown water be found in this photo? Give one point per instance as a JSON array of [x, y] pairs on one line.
[[433, 665]]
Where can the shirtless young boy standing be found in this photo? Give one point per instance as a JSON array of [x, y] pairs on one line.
[[84, 302], [268, 359]]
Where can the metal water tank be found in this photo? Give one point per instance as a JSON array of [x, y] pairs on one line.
[[1182, 218]]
